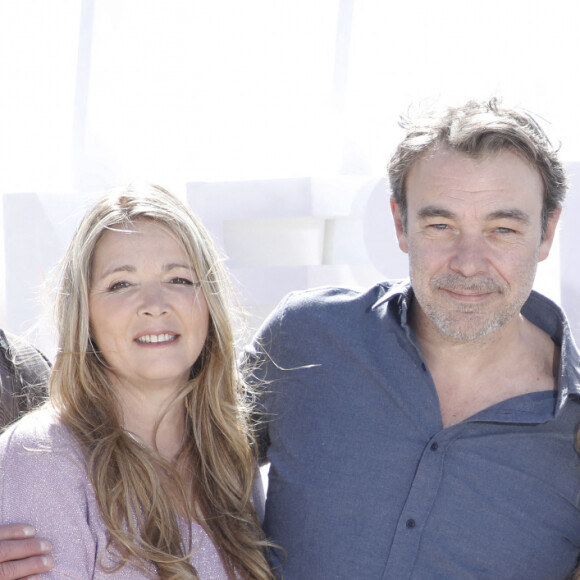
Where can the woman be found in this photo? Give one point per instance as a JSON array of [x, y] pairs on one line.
[[141, 463]]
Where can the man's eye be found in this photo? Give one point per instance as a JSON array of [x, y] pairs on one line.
[[181, 281], [505, 231], [118, 286], [439, 226]]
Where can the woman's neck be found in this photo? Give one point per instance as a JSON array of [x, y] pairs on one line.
[[155, 417]]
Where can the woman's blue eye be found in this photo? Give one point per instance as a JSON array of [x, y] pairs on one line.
[[118, 286], [183, 281]]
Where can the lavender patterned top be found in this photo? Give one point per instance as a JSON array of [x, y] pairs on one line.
[[43, 482]]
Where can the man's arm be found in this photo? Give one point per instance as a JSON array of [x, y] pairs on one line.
[[21, 554]]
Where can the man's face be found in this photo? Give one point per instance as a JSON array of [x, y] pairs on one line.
[[474, 238]]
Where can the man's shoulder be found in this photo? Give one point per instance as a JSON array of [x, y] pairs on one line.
[[21, 364], [336, 297], [24, 373], [19, 353], [308, 319]]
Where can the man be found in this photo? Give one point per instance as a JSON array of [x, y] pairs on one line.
[[23, 376], [427, 431]]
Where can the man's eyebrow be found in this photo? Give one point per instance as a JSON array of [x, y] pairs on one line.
[[430, 211], [511, 214]]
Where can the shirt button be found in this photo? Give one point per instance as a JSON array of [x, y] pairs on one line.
[[411, 524], [434, 446]]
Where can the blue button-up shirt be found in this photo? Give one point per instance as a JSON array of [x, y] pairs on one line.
[[365, 483]]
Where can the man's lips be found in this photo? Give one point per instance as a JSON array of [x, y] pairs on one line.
[[159, 338], [468, 289], [468, 295]]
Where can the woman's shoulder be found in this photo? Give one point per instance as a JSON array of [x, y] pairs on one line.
[[44, 482], [37, 432], [38, 454]]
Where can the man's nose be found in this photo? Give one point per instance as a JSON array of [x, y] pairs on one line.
[[469, 255]]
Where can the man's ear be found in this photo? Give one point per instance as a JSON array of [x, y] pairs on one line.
[[399, 225], [550, 233]]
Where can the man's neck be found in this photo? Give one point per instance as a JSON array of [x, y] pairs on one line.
[[470, 376], [440, 349]]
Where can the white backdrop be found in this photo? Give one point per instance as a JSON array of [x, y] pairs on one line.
[[277, 235], [273, 118]]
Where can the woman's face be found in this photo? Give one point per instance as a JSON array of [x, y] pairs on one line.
[[148, 316]]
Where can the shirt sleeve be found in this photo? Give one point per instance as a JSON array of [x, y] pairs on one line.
[[261, 360], [48, 488]]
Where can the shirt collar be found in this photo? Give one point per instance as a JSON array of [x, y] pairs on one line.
[[547, 315], [394, 289], [538, 309]]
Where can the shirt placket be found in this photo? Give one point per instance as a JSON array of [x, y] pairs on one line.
[[417, 507]]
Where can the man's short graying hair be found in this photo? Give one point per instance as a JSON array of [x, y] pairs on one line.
[[475, 129]]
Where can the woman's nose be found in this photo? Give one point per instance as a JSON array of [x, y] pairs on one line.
[[152, 300]]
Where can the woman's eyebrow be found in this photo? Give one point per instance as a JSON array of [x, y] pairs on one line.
[[115, 269], [175, 266]]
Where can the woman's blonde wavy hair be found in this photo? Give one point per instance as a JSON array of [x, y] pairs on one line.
[[218, 451]]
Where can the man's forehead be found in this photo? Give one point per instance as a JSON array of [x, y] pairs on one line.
[[447, 170]]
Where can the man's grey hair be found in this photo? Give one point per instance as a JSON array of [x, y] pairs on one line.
[[476, 129]]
